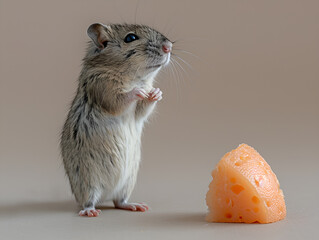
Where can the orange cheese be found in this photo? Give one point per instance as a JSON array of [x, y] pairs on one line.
[[244, 189]]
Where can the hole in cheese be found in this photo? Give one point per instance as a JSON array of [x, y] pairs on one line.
[[237, 189], [257, 183], [255, 199], [238, 163]]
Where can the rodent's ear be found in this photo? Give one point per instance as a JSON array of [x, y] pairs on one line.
[[98, 33]]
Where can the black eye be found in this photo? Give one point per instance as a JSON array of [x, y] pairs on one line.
[[130, 38], [104, 44]]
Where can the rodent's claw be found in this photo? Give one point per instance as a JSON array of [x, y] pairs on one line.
[[155, 95], [139, 94], [90, 212]]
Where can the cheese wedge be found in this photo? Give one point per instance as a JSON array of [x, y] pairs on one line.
[[244, 189]]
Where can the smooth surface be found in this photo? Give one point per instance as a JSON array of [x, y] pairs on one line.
[[255, 80]]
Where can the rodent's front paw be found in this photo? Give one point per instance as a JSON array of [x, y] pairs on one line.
[[155, 95], [138, 94]]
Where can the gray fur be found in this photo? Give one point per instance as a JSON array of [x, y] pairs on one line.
[[101, 137]]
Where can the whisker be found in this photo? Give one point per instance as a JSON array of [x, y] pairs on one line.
[[171, 73], [190, 39], [177, 77], [187, 75], [136, 8], [184, 51], [176, 69], [183, 61], [177, 82], [178, 64]]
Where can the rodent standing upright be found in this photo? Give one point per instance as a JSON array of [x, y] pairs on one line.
[[101, 138]]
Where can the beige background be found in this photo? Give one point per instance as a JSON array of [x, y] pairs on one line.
[[253, 78]]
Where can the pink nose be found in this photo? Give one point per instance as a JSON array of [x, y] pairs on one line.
[[167, 47]]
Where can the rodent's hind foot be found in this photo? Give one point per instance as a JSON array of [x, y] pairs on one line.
[[135, 207], [90, 212]]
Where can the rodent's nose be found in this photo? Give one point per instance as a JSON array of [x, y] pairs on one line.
[[167, 47]]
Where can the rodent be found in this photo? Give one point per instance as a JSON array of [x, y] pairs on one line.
[[101, 138]]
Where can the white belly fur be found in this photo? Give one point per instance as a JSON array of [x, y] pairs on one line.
[[127, 169]]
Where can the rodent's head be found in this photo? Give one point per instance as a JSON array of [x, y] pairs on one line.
[[129, 49]]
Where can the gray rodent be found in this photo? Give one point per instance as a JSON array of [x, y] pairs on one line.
[[101, 138]]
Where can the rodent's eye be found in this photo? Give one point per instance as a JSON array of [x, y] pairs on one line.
[[130, 38]]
